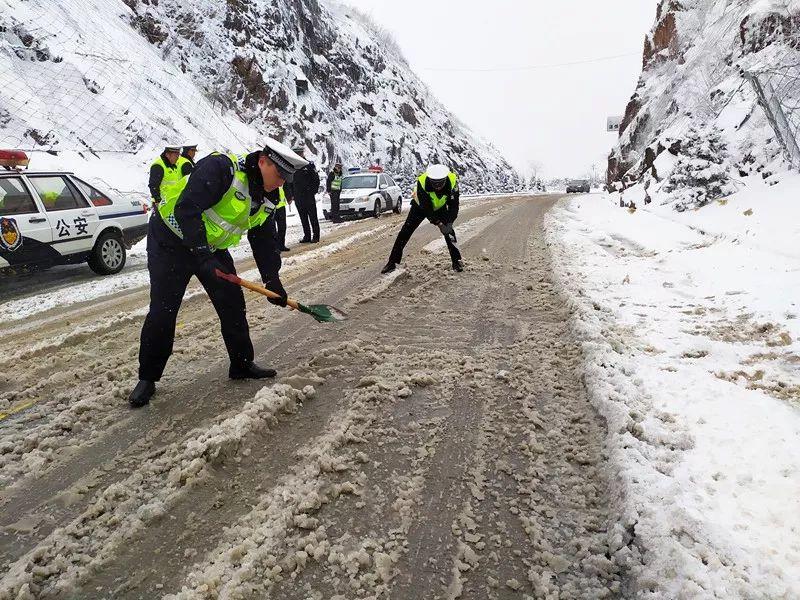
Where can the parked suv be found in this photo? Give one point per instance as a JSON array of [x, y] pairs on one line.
[[53, 217], [581, 186], [366, 193]]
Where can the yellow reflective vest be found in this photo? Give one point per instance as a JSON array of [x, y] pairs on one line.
[[229, 219], [437, 201], [172, 175]]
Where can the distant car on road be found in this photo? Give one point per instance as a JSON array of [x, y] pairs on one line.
[[580, 186], [53, 217], [368, 192]]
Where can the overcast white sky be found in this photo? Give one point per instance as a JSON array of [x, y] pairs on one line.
[[555, 116]]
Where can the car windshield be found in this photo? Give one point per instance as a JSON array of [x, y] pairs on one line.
[[357, 182]]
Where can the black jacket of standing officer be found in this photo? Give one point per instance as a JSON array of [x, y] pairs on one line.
[[303, 191], [189, 153], [171, 262]]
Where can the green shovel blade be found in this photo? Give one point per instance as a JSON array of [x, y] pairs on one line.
[[322, 312]]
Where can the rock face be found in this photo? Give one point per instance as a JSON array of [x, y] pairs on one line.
[[225, 74], [696, 58]]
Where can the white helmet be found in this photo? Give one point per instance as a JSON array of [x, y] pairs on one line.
[[437, 172]]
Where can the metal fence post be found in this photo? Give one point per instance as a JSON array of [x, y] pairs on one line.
[[770, 102]]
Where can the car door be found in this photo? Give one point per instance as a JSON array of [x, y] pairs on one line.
[[386, 197], [25, 234], [394, 191], [72, 219]]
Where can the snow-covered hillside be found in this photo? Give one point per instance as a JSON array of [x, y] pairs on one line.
[[694, 130], [95, 76]]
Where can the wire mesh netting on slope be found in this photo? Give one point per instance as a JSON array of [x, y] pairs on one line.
[[94, 83]]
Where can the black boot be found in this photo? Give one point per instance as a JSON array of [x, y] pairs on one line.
[[141, 394], [284, 249], [458, 265], [250, 371], [305, 241], [390, 266]]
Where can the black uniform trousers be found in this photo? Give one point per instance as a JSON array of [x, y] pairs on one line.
[[307, 209], [171, 268], [335, 194], [414, 219], [279, 217]]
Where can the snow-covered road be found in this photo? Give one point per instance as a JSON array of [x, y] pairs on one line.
[[437, 444]]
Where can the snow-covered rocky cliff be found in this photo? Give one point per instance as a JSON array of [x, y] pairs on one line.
[[694, 130], [128, 76]]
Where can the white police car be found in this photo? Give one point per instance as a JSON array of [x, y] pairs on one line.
[[367, 192], [49, 218]]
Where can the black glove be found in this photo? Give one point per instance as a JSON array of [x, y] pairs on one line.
[[276, 286], [207, 262], [446, 228]]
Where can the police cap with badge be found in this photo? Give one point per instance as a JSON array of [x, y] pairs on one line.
[[286, 160]]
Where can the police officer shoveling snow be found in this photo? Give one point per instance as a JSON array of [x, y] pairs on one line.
[[197, 221]]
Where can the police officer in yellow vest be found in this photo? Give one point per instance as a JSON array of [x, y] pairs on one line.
[[189, 153], [436, 198], [166, 171], [333, 185], [197, 221]]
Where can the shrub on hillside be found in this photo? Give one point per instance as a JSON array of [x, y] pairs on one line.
[[701, 171]]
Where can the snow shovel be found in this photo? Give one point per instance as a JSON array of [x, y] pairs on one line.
[[321, 312]]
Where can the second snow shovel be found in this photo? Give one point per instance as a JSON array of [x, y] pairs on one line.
[[448, 232], [321, 312]]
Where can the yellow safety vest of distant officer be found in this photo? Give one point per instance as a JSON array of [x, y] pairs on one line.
[[49, 199], [166, 171]]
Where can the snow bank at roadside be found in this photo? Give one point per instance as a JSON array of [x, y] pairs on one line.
[[690, 326]]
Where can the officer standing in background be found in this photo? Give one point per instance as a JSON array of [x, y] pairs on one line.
[[333, 186], [164, 172], [279, 219], [188, 154], [304, 194], [436, 198], [197, 221]]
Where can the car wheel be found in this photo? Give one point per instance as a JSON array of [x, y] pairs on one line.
[[376, 210], [398, 208], [108, 255]]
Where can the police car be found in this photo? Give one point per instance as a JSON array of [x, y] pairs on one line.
[[366, 192], [53, 217]]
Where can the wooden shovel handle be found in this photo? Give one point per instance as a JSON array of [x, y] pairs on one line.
[[259, 289]]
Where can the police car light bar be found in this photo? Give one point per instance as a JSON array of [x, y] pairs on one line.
[[13, 159]]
